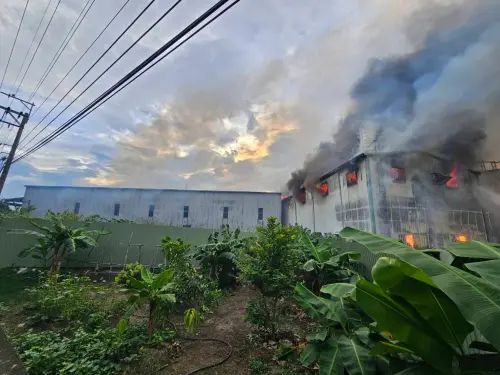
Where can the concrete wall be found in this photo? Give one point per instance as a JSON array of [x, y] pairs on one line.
[[127, 243], [343, 206], [206, 208]]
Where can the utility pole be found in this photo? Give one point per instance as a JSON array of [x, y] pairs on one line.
[[20, 127]]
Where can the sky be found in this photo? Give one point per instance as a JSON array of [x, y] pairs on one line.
[[238, 107]]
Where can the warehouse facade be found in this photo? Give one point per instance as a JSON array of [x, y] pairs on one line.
[[180, 208], [383, 193]]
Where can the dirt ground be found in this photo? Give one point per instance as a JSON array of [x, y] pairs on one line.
[[227, 324], [184, 356]]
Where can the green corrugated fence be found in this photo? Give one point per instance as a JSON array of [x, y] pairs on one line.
[[127, 243]]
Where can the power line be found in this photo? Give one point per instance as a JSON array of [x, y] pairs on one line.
[[161, 58], [31, 44], [126, 78], [14, 44], [37, 47], [64, 44], [81, 57], [85, 74], [105, 71]]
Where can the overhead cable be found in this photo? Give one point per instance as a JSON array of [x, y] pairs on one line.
[[85, 74], [31, 44], [126, 78], [64, 44], [103, 73], [14, 44], [81, 57], [37, 47]]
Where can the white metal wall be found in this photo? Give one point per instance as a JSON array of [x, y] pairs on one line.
[[343, 206], [205, 208]]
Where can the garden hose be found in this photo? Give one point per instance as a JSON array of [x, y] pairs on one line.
[[201, 339]]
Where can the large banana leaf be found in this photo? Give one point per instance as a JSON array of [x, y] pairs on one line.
[[488, 270], [477, 299], [320, 308], [405, 281], [330, 360], [338, 290], [474, 249], [356, 357], [404, 324]]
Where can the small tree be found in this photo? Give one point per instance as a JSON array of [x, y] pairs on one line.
[[270, 263], [153, 290], [55, 243]]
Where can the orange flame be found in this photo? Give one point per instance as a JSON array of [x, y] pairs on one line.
[[410, 240], [452, 183], [461, 238], [323, 189]]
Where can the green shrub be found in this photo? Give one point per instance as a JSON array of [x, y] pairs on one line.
[[270, 263], [84, 353], [72, 298], [132, 270], [189, 285]]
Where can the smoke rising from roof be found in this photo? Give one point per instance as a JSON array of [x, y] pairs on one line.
[[440, 98]]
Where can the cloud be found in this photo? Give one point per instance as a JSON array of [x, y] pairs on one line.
[[239, 106]]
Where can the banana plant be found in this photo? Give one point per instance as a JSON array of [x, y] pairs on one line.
[[344, 340], [218, 257], [427, 305], [151, 290], [484, 258], [57, 241], [323, 263]]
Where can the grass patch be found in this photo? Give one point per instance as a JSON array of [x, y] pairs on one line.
[[12, 284]]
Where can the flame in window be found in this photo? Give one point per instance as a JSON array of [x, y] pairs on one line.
[[461, 238], [410, 240], [323, 189], [352, 178], [452, 183]]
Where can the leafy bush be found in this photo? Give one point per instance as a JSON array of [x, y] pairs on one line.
[[58, 240], [270, 263], [132, 270], [324, 264], [344, 340], [97, 352], [430, 307], [190, 287], [72, 298], [64, 215], [96, 218], [218, 257]]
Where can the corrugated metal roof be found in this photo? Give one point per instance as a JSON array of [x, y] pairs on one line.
[[146, 189]]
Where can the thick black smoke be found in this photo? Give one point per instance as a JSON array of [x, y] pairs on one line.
[[388, 95]]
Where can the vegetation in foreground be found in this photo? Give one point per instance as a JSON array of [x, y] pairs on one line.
[[317, 307]]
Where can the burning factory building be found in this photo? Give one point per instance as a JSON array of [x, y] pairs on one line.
[[408, 160], [383, 193]]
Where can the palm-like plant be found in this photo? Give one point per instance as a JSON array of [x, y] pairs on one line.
[[58, 241], [323, 263], [218, 257], [153, 290]]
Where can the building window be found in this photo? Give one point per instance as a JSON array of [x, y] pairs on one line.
[[225, 213], [151, 210], [352, 178], [398, 175], [260, 214], [117, 209], [186, 212], [77, 208]]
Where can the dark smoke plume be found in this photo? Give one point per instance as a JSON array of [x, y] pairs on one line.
[[408, 102]]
